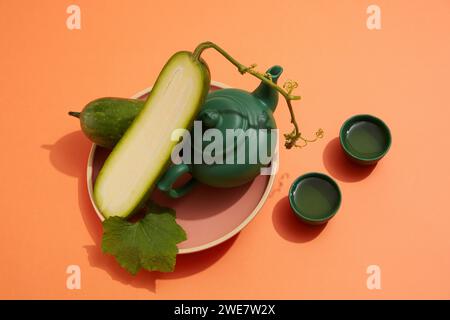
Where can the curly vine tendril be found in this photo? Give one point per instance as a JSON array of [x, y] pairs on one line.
[[289, 86]]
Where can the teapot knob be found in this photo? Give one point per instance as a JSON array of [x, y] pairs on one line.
[[210, 118], [262, 120]]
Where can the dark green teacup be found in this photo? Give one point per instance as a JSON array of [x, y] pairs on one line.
[[315, 198], [365, 139]]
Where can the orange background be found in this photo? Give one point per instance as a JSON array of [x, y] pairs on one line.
[[395, 216]]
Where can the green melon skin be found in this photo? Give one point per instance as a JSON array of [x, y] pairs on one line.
[[104, 121]]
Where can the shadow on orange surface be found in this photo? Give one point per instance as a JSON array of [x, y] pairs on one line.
[[340, 167], [69, 156], [290, 227], [187, 264]]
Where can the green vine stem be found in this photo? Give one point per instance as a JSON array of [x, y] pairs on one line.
[[288, 87]]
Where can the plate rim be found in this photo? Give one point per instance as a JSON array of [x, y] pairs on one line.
[[236, 230]]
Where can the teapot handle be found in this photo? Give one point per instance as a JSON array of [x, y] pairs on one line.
[[165, 184]]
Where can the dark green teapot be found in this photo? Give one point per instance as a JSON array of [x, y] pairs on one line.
[[236, 139]]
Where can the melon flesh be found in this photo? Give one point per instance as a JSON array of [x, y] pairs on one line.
[[139, 159]]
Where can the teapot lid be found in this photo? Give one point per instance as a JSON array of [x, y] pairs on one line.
[[224, 112]]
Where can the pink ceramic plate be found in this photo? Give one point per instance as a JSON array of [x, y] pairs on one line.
[[208, 215]]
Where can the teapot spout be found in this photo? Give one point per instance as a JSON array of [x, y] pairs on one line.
[[266, 94]]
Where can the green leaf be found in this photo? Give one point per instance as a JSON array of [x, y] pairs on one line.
[[150, 243]]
